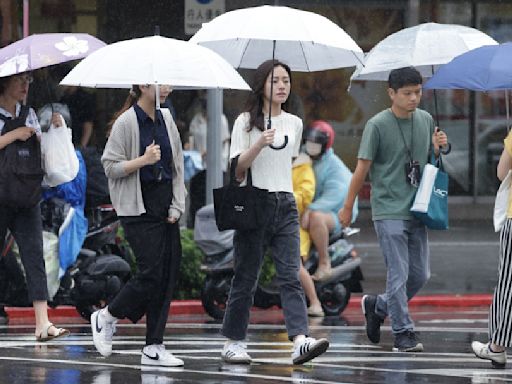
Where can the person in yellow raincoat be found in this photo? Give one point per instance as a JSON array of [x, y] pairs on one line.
[[304, 184]]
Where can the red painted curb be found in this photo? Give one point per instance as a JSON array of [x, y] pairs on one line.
[[469, 300], [179, 307], [194, 307]]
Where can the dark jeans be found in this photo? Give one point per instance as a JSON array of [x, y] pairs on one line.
[[281, 233], [157, 248], [26, 227]]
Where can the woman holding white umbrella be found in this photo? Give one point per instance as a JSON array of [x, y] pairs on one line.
[[144, 163], [272, 170]]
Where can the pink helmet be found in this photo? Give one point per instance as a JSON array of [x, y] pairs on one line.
[[321, 132]]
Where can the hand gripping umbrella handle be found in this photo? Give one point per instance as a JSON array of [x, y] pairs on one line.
[[269, 125]]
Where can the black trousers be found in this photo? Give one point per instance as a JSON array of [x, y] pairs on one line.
[[157, 248], [26, 227]]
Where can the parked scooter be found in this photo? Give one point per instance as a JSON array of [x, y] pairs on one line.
[[218, 262], [91, 282]]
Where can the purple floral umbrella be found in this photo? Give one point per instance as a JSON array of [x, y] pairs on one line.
[[42, 50]]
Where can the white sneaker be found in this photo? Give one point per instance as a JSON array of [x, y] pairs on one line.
[[102, 332], [308, 349], [156, 354], [235, 352], [481, 350]]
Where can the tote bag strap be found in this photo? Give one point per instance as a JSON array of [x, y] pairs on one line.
[[232, 168]]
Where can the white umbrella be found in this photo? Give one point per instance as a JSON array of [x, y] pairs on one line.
[[155, 60], [425, 47], [303, 40]]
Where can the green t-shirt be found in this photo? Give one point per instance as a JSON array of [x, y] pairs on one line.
[[383, 144]]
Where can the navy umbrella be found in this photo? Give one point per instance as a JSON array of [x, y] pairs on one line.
[[482, 69]]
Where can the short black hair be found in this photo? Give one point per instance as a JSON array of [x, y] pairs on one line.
[[401, 77]]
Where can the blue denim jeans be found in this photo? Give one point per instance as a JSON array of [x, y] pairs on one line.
[[404, 245], [281, 234]]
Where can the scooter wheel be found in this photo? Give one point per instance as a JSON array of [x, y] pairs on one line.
[[214, 295], [334, 298], [86, 310]]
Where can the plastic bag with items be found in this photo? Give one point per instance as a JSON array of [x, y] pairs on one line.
[[60, 162]]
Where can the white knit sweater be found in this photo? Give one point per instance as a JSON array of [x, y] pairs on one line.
[[271, 169]]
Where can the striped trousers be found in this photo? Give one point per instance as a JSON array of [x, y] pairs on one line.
[[500, 314]]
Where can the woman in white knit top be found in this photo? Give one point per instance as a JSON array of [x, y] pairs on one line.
[[272, 170]]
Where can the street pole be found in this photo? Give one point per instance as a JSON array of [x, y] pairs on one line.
[[213, 143], [25, 17]]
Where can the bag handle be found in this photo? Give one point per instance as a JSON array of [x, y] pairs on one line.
[[437, 162], [232, 168]]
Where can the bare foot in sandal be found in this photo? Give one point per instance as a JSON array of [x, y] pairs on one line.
[[50, 332]]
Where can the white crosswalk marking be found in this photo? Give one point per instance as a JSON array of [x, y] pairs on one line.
[[350, 359]]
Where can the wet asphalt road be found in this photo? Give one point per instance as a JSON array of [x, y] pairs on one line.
[[463, 260], [446, 334]]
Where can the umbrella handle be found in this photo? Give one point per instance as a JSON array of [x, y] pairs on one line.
[[446, 150], [280, 146]]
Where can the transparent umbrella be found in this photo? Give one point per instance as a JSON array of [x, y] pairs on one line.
[[425, 47]]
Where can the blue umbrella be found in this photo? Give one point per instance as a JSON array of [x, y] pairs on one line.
[[482, 69]]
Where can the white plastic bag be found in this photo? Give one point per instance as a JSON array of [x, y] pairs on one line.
[[60, 162], [501, 202], [424, 192]]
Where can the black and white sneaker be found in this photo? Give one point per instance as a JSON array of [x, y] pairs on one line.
[[407, 342], [102, 332], [308, 349], [373, 321], [156, 354], [234, 352]]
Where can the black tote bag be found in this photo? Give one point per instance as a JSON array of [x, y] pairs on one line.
[[241, 208]]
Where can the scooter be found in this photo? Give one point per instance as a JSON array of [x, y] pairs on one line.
[[96, 276], [218, 263]]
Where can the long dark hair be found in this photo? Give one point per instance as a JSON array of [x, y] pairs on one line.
[[254, 104], [131, 99]]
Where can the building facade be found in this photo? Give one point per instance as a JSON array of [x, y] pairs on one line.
[[475, 122]]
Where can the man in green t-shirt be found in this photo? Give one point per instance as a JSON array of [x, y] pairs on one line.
[[394, 149]]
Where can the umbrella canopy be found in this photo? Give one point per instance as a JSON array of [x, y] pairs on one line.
[[155, 60], [425, 46], [482, 69], [43, 50], [303, 40]]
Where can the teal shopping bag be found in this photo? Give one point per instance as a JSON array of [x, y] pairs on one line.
[[431, 201]]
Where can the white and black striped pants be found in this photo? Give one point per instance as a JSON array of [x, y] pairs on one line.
[[500, 313]]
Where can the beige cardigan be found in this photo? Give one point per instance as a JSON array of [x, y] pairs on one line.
[[123, 145]]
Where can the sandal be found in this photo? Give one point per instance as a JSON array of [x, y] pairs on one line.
[[322, 274], [316, 311], [45, 336]]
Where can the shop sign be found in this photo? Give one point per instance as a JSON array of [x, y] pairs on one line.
[[198, 12]]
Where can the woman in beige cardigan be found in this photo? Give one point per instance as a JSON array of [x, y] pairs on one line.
[[143, 161]]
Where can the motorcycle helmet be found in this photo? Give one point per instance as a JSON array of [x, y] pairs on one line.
[[319, 132]]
